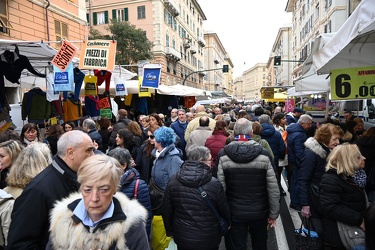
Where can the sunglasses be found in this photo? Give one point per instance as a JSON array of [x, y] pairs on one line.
[[151, 136]]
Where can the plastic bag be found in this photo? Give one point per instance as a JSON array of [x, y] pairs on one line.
[[172, 245]]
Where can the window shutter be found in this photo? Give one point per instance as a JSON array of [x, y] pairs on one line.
[[95, 18], [114, 14], [126, 14], [57, 27], [88, 18], [106, 16], [64, 32]]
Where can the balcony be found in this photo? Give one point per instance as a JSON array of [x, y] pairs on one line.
[[201, 41], [171, 6], [172, 54], [193, 49], [216, 61], [186, 43]]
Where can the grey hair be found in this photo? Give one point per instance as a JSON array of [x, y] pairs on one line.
[[198, 153], [122, 155], [242, 127], [265, 119], [69, 139], [181, 110], [304, 119], [89, 123]]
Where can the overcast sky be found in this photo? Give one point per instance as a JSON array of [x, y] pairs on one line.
[[246, 28]]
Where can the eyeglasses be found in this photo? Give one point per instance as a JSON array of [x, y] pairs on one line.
[[151, 136]]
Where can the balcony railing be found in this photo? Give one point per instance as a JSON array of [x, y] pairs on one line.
[[201, 41], [193, 49], [172, 54], [171, 7]]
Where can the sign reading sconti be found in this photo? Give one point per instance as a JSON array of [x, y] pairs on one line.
[[64, 56], [98, 54], [353, 83]]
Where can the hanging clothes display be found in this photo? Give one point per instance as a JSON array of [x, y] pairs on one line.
[[72, 109], [35, 106], [92, 106], [11, 66], [103, 75], [64, 81], [91, 85], [78, 81]]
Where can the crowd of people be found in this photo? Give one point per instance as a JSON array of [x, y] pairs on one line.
[[143, 181]]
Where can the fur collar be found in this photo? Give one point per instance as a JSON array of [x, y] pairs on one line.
[[312, 144], [65, 234]]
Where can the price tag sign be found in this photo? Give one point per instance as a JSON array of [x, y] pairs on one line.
[[353, 83]]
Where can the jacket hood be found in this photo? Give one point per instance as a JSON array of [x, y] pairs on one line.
[[312, 144], [129, 176], [243, 152], [295, 127], [267, 130], [171, 150], [194, 174]]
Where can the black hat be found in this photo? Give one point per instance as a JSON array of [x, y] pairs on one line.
[[299, 110]]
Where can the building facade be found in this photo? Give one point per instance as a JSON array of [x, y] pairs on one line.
[[175, 27], [253, 80]]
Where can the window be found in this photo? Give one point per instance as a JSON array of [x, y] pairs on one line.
[[100, 17], [5, 25], [141, 10], [121, 15], [61, 30]]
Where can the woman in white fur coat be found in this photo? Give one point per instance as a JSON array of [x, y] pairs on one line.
[[98, 217]]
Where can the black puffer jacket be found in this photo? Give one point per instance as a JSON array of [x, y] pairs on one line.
[[186, 215], [249, 181], [341, 200]]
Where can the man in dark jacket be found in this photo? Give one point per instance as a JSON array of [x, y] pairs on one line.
[[186, 214], [90, 127], [30, 216], [292, 117], [246, 173], [179, 128], [296, 139]]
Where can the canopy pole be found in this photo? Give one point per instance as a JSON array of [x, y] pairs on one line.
[[327, 104]]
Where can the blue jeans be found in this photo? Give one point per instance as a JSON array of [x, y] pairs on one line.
[[294, 192], [237, 236]]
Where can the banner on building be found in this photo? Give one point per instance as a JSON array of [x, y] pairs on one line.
[[151, 76], [98, 54], [64, 56], [353, 83]]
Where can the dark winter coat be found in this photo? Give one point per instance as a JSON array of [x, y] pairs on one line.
[[179, 128], [106, 134], [33, 206], [249, 180], [312, 168], [144, 164], [95, 136], [366, 146], [52, 142], [186, 215], [127, 186], [296, 139], [275, 140], [341, 200]]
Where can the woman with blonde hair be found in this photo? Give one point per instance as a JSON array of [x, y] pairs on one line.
[[341, 199], [9, 151], [31, 161], [98, 217]]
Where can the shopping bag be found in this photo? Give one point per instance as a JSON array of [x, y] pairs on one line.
[[306, 239], [172, 245]]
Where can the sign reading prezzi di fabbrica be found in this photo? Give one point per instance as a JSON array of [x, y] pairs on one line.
[[353, 83], [98, 54]]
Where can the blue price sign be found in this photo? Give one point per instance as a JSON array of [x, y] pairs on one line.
[[353, 83]]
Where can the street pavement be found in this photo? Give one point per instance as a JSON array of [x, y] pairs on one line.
[[282, 236]]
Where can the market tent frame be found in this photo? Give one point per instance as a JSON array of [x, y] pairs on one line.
[[353, 45]]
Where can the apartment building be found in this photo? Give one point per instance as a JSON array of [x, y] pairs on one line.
[[40, 20], [253, 80], [175, 27], [311, 18], [281, 75]]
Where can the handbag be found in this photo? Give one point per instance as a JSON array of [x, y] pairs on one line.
[[306, 239], [156, 197], [222, 222], [350, 236], [315, 199]]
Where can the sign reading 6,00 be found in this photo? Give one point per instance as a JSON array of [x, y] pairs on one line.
[[353, 83]]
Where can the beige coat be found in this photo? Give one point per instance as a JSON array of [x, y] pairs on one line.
[[6, 208], [194, 124]]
